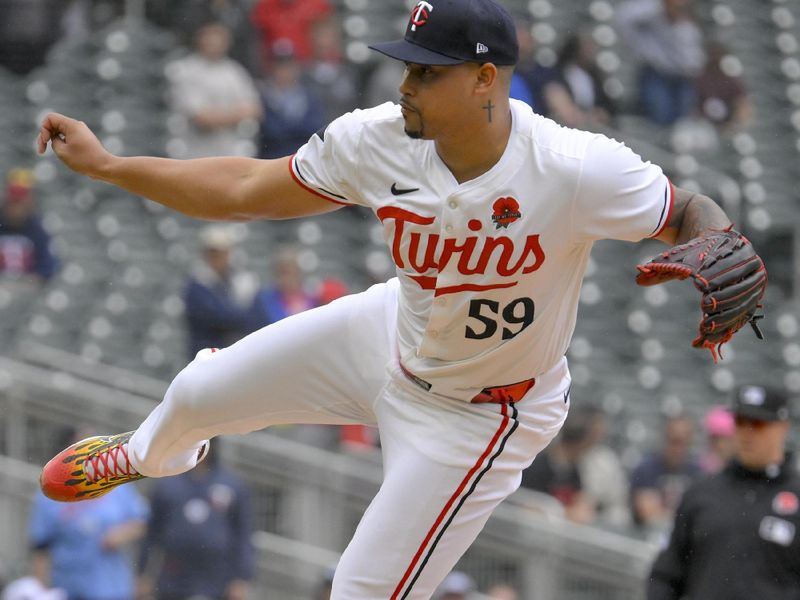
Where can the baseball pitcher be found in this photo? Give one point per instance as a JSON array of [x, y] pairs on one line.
[[490, 212]]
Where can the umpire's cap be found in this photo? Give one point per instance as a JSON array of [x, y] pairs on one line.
[[450, 32], [762, 403]]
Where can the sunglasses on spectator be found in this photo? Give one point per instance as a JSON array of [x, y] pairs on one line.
[[751, 423]]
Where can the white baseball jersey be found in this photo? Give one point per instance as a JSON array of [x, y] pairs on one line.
[[490, 270]]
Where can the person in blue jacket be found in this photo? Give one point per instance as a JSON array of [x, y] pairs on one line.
[[24, 242], [217, 296], [83, 548], [198, 542]]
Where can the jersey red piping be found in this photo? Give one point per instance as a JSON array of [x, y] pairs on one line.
[[303, 185]]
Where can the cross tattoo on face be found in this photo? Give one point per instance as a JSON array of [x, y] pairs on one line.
[[489, 108]]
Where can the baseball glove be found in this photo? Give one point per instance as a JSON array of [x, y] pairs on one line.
[[731, 276]]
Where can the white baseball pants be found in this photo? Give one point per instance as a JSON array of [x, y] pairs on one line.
[[447, 463]]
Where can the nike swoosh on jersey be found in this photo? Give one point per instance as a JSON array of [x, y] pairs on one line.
[[396, 191]]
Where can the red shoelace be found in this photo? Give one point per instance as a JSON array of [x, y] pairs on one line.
[[109, 463]]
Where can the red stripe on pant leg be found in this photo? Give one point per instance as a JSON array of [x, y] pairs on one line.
[[449, 504]]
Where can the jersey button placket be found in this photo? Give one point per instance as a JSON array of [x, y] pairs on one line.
[[453, 226], [439, 313]]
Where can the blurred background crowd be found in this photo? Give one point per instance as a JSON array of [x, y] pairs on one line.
[[104, 289]]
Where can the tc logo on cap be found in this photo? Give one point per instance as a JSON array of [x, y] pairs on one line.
[[420, 14], [753, 395]]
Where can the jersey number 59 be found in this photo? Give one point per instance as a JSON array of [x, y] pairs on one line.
[[488, 313]]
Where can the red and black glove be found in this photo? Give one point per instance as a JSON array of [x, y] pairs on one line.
[[726, 269]]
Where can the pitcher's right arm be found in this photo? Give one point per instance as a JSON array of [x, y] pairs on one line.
[[220, 188]]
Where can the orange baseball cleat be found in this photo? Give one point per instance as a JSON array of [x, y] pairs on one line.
[[88, 469]]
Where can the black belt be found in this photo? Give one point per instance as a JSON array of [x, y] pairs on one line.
[[499, 394]]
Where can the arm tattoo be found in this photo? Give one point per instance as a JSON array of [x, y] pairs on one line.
[[700, 214]]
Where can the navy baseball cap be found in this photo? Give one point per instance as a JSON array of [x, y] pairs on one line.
[[451, 32], [761, 403]]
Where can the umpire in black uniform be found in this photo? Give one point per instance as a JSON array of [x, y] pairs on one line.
[[737, 534]]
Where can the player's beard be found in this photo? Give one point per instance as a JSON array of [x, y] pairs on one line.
[[415, 133]]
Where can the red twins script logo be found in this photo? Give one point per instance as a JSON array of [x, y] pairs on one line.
[[420, 14], [476, 255], [506, 211]]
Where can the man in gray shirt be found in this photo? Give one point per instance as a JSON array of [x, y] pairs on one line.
[[665, 36]]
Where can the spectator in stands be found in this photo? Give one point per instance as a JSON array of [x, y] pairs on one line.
[[556, 472], [669, 42], [30, 588], [502, 591], [545, 88], [198, 542], [331, 79], [292, 111], [532, 76], [81, 18], [24, 244], [660, 479], [184, 17], [576, 98], [27, 30], [290, 20], [217, 296], [722, 97], [216, 96], [519, 89], [603, 477], [287, 295], [83, 548], [26, 587], [330, 288], [719, 429], [456, 586]]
